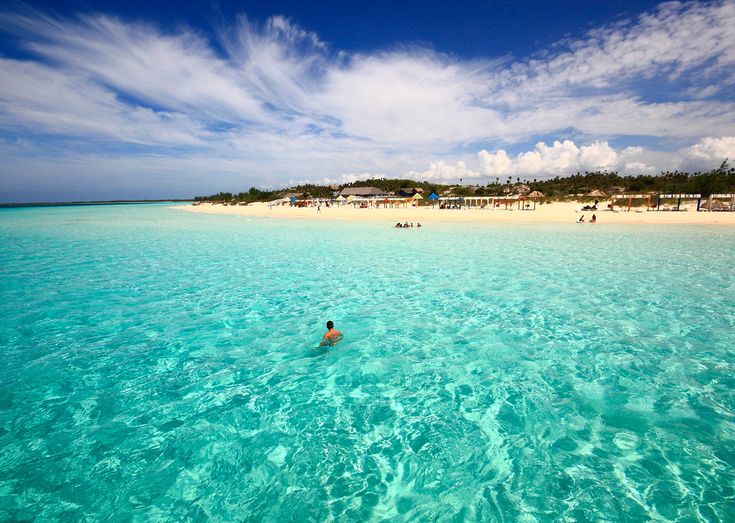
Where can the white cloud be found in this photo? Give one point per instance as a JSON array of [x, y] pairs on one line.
[[712, 149], [560, 158], [179, 72], [637, 168], [277, 102], [494, 164], [708, 151], [36, 98], [566, 157], [441, 171], [675, 38]]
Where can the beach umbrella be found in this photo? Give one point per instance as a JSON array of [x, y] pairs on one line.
[[340, 198], [417, 196], [597, 193], [350, 197], [433, 197], [293, 199], [536, 194]]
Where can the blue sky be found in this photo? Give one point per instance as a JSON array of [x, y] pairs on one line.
[[161, 99]]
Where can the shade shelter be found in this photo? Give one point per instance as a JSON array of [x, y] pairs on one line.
[[494, 202], [630, 198], [719, 202], [679, 198], [535, 196], [597, 193]]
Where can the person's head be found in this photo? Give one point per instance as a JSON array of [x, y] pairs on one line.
[[330, 324]]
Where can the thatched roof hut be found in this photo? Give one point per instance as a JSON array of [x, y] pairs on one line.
[[362, 191], [535, 194], [597, 193]]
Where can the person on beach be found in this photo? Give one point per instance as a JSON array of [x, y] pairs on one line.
[[594, 219], [332, 336], [581, 219]]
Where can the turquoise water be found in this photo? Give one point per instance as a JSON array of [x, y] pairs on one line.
[[161, 365]]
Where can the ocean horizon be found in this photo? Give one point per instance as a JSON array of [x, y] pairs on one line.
[[160, 364]]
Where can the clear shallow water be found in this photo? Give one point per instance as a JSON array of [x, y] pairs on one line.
[[161, 365]]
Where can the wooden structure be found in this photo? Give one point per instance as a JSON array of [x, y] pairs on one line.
[[717, 202], [630, 198], [494, 202], [678, 198]]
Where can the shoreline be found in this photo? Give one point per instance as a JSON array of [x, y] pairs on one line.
[[559, 212]]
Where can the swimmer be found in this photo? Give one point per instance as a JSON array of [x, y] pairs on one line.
[[332, 336]]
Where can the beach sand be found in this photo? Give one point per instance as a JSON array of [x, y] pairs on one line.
[[560, 212]]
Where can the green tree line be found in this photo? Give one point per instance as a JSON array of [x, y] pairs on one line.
[[720, 180]]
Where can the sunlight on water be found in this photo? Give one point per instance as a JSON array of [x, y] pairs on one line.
[[163, 365]]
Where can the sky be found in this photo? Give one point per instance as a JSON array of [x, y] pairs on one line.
[[135, 100]]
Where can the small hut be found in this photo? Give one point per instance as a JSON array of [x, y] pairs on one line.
[[597, 193], [535, 194]]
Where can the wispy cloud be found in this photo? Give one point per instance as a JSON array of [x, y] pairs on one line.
[[275, 101]]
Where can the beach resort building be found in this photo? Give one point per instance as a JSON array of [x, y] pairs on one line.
[[410, 191], [363, 192]]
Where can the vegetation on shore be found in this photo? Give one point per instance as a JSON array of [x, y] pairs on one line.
[[720, 180]]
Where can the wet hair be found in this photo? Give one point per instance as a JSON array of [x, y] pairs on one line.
[[330, 324]]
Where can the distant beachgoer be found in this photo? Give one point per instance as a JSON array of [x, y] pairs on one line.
[[399, 225], [594, 219], [332, 336], [581, 219], [406, 224], [319, 208], [411, 224], [418, 224]]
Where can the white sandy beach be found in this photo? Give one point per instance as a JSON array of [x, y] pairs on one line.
[[564, 212]]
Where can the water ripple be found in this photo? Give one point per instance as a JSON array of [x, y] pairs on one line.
[[160, 365]]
